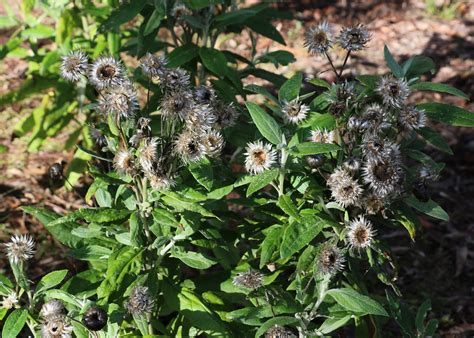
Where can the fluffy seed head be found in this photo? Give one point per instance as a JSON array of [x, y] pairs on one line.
[[201, 118], [376, 150], [106, 72], [74, 65], [10, 301], [226, 115], [375, 119], [373, 204], [330, 259], [322, 136], [144, 123], [249, 280], [205, 94], [160, 181], [180, 10], [213, 142], [354, 38], [177, 104], [412, 118], [393, 91], [124, 162], [140, 301], [259, 157], [315, 161], [121, 101], [56, 327], [189, 147], [354, 123], [384, 177], [278, 331], [20, 248], [294, 111], [318, 39], [339, 175], [360, 233], [153, 65], [147, 153], [52, 308], [346, 192], [176, 79], [352, 165]]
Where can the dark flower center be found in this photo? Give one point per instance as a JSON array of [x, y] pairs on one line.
[[107, 71], [320, 38], [259, 157]]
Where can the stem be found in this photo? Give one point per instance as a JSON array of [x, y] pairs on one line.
[[344, 64], [281, 177], [332, 65]]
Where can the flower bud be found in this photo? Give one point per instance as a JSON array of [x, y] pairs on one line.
[[95, 319], [315, 161]]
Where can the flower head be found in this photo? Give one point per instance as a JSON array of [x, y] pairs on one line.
[[318, 39], [412, 118], [140, 301], [176, 79], [384, 177], [322, 136], [360, 233], [179, 10], [354, 38], [153, 65], [56, 327], [294, 111], [159, 180], [52, 308], [189, 147], [106, 72], [74, 65], [10, 301], [393, 91], [226, 114], [20, 248], [213, 142], [120, 101], [277, 331], [373, 204], [177, 104], [376, 150], [352, 165], [330, 259], [346, 191], [205, 94], [201, 118], [315, 161], [374, 119], [259, 157], [147, 153], [249, 280], [124, 161], [95, 318]]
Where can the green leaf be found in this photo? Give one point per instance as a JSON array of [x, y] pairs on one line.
[[38, 32], [370, 81], [142, 323], [299, 234], [435, 139], [392, 64], [270, 244], [449, 114], [418, 65], [313, 148], [439, 87], [153, 22], [181, 203], [355, 302], [123, 14], [266, 124], [266, 29], [291, 88], [421, 316], [333, 323], [261, 180], [14, 323], [136, 229], [199, 4], [430, 208], [183, 54], [278, 57], [320, 83], [281, 321], [286, 204], [408, 219], [202, 172], [262, 91], [103, 215], [214, 60], [50, 280], [193, 259]]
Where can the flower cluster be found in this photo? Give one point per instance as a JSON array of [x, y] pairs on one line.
[[54, 320]]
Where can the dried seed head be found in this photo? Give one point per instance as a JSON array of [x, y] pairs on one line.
[[20, 248], [189, 147], [259, 157], [201, 118], [376, 150], [56, 171], [318, 39], [373, 204], [354, 123], [393, 91], [315, 161], [95, 319], [52, 308], [56, 327], [384, 177], [140, 301], [427, 174], [10, 301], [322, 136], [213, 142], [249, 280], [179, 11], [278, 331], [226, 114], [144, 123], [360, 233], [330, 260], [352, 165], [153, 65], [106, 72], [74, 65], [294, 111], [346, 192], [160, 181], [375, 119], [147, 153], [205, 95], [177, 104], [176, 79], [412, 118], [124, 162], [121, 101], [354, 38], [339, 175]]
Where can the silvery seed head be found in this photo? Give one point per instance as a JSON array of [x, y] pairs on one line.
[[373, 204], [147, 153], [412, 118], [294, 111], [214, 143], [176, 79], [375, 119], [179, 11], [354, 38], [352, 165], [52, 308], [249, 280], [340, 174], [318, 39], [330, 260], [376, 149], [144, 123], [153, 65], [346, 191], [360, 233], [322, 136], [393, 91], [124, 162], [140, 301], [106, 72], [259, 157], [200, 119], [177, 104], [10, 301], [226, 115], [205, 95], [384, 177], [354, 123], [56, 327], [120, 101], [160, 181], [189, 147], [74, 66], [20, 248]]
